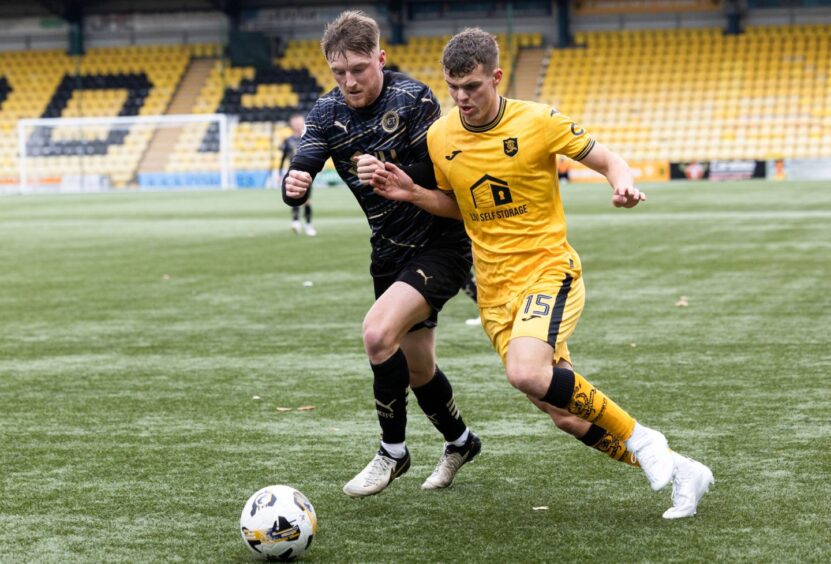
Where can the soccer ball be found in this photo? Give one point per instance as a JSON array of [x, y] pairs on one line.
[[278, 523]]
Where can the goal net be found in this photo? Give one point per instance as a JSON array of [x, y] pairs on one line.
[[104, 153]]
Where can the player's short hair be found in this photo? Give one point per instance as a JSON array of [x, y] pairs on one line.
[[354, 31], [469, 48]]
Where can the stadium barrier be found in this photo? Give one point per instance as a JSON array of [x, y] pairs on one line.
[[739, 169], [799, 169], [243, 179], [643, 171]]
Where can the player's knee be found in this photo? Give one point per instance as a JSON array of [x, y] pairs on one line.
[[378, 342], [526, 379]]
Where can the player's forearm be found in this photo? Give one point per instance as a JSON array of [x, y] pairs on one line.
[[618, 173], [611, 165], [436, 202]]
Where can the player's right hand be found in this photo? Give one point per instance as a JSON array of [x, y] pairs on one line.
[[297, 183], [393, 184]]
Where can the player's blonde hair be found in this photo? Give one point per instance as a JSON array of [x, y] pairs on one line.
[[354, 31], [469, 48]]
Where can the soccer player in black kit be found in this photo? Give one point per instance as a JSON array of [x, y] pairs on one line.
[[297, 123], [418, 261]]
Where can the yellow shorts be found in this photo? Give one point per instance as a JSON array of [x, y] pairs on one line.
[[547, 310]]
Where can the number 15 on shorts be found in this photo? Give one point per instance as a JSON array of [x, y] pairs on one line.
[[536, 306]]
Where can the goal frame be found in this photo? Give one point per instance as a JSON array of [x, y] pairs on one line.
[[171, 120]]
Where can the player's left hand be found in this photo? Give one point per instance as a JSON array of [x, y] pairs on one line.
[[627, 197], [366, 166]]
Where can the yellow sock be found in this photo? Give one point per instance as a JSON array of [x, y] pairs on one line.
[[600, 439], [589, 403], [615, 449], [570, 391]]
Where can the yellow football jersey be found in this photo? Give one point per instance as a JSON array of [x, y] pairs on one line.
[[504, 177]]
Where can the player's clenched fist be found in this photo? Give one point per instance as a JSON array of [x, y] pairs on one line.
[[367, 165], [297, 183]]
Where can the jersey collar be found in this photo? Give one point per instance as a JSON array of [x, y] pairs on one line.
[[491, 124]]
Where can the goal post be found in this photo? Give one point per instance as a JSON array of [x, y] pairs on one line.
[[104, 153]]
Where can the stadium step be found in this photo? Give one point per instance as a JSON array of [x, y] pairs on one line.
[[164, 139], [528, 70]]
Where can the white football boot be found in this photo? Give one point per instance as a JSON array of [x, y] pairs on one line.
[[310, 230], [651, 449], [691, 481], [452, 459], [378, 474], [297, 227]]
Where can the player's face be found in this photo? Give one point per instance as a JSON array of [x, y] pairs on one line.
[[360, 77], [297, 125], [475, 94]]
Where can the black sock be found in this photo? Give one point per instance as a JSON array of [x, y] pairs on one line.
[[561, 388], [436, 400], [307, 212], [593, 435], [390, 386], [295, 213]]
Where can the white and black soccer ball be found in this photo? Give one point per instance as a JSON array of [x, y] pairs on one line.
[[278, 523]]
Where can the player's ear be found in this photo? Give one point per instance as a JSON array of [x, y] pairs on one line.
[[497, 76], [382, 57]]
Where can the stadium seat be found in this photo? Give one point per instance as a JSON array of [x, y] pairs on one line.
[[697, 93], [113, 81]]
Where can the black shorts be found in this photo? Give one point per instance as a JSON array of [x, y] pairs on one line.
[[437, 273]]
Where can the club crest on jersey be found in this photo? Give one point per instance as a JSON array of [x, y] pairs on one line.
[[511, 146], [577, 130], [389, 121]]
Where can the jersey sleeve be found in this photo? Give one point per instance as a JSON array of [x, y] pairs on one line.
[[427, 110], [441, 180], [313, 149], [435, 143], [566, 137]]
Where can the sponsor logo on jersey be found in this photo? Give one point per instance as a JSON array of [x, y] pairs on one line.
[[452, 155], [490, 192], [577, 130]]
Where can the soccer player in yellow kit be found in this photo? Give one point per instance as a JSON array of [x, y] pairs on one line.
[[494, 161]]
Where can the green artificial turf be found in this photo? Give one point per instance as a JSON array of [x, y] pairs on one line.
[[136, 330]]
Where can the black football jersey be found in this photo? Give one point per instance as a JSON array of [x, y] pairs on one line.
[[393, 129]]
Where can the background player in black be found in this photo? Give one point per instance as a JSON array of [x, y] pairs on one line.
[[418, 261], [297, 123]]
